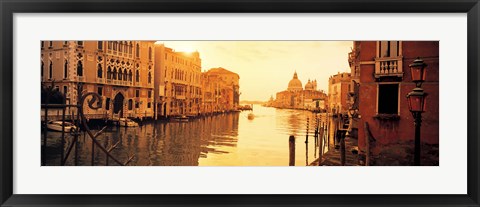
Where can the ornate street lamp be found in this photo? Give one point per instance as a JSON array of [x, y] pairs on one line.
[[416, 102], [418, 72]]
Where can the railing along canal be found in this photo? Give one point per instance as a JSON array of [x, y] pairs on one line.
[[80, 122]]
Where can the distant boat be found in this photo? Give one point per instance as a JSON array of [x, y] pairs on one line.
[[125, 122], [251, 116], [182, 118], [57, 126]]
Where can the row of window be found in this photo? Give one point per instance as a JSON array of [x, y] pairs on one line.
[[121, 75], [65, 43], [120, 46], [125, 47], [111, 74], [178, 74], [65, 69], [130, 104], [137, 92], [179, 60]]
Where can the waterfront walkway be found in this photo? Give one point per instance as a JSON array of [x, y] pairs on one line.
[[332, 157]]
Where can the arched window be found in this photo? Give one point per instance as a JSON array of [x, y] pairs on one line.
[[109, 45], [100, 45], [130, 104], [79, 68], [130, 76], [120, 74], [149, 77], [115, 46], [43, 65], [125, 75], [109, 73], [130, 47], [50, 70], [137, 76], [137, 51], [65, 70], [99, 71], [120, 47], [149, 53], [125, 47], [115, 74]]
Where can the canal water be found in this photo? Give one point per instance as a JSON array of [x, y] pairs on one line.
[[222, 140]]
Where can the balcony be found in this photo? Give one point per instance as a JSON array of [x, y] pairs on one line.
[[389, 67]]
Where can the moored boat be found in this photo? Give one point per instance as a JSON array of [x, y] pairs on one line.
[[125, 122], [182, 118], [57, 126]]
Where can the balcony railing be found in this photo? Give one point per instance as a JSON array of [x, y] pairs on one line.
[[389, 66], [100, 80], [81, 78]]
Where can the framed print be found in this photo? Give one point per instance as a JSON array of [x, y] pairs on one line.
[[199, 103]]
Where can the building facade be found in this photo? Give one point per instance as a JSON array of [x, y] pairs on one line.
[[339, 86], [385, 80], [178, 86], [121, 72], [221, 90]]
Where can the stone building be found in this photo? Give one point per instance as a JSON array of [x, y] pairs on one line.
[[120, 71], [338, 87], [221, 90], [178, 86], [296, 97], [385, 80]]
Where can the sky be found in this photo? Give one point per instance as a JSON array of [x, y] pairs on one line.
[[266, 67]]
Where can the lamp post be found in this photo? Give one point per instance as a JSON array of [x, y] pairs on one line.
[[416, 102]]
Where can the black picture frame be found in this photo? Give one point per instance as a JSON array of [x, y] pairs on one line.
[[10, 7]]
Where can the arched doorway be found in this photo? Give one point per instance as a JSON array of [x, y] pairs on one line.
[[118, 104]]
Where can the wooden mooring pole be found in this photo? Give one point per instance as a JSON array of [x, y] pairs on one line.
[[308, 124], [63, 138], [77, 134], [342, 147], [320, 146], [291, 144], [45, 133]]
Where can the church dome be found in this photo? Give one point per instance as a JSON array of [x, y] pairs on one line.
[[309, 85], [295, 84]]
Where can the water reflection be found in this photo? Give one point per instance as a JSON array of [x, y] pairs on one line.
[[222, 140]]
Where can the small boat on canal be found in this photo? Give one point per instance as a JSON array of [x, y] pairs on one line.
[[57, 126], [181, 118], [125, 122]]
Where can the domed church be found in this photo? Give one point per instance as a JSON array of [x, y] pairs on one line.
[[295, 85], [296, 97]]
